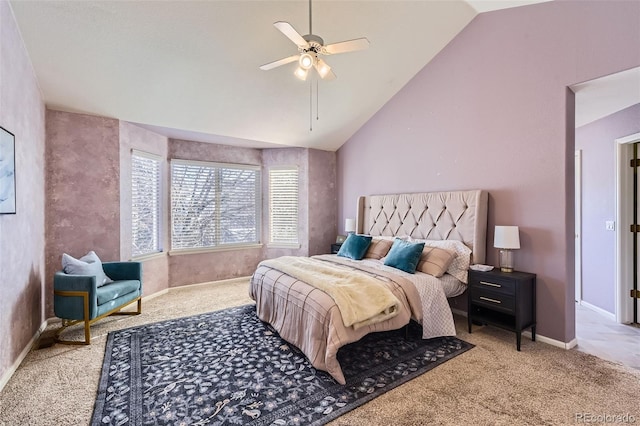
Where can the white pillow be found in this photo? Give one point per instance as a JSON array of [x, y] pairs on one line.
[[459, 268], [89, 264]]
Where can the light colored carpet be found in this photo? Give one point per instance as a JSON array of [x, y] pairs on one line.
[[490, 384]]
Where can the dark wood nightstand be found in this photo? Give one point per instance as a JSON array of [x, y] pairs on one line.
[[503, 299], [335, 248]]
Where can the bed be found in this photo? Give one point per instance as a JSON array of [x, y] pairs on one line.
[[291, 296]]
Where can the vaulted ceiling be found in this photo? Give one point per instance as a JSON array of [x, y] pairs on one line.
[[189, 69]]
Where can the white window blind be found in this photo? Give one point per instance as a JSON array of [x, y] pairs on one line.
[[145, 203], [213, 204], [283, 205]]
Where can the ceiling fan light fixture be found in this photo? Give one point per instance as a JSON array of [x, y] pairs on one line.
[[323, 69], [301, 73], [306, 61]]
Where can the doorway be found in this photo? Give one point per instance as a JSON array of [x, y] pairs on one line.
[[598, 332], [603, 214], [625, 311]]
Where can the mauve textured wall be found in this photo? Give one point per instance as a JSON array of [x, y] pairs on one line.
[[21, 234], [82, 191], [155, 271], [317, 199], [323, 201], [279, 157], [490, 112], [212, 266], [597, 142]]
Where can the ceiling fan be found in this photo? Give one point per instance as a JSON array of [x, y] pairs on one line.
[[310, 48]]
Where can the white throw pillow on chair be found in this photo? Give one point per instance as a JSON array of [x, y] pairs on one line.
[[89, 264]]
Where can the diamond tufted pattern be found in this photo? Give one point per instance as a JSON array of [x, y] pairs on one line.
[[456, 215]]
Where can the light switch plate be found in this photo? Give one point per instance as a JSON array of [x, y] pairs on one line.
[[610, 225]]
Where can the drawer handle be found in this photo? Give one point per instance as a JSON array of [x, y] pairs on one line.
[[491, 284], [490, 300]]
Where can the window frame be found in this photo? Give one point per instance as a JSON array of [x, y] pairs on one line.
[[159, 246], [284, 244], [217, 192]]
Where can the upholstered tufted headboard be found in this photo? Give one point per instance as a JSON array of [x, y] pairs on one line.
[[456, 215]]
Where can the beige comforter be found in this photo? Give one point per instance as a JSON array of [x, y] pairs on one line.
[[361, 298], [310, 319]]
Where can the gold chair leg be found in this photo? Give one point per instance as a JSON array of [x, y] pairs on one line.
[[69, 323], [87, 321], [118, 311]]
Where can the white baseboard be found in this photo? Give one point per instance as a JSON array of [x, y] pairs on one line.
[[7, 374], [539, 338], [154, 295], [552, 342], [227, 281], [601, 311]]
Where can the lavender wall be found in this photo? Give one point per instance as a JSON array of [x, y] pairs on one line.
[[217, 265], [155, 270], [597, 142], [493, 111], [83, 189], [22, 242]]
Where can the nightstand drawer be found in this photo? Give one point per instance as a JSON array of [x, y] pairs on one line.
[[497, 284], [492, 299]]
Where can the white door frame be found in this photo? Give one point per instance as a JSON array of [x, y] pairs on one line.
[[624, 218], [578, 224]]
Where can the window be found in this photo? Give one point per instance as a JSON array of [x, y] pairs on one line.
[[145, 203], [283, 205], [214, 205]]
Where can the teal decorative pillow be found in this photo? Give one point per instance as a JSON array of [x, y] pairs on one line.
[[89, 264], [355, 246], [404, 255]]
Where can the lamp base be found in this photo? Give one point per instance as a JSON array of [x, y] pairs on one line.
[[506, 260]]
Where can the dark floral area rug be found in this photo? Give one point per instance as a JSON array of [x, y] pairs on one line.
[[229, 368]]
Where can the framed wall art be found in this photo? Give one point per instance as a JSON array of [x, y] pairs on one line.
[[7, 172]]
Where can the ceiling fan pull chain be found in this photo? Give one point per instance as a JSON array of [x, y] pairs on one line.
[[310, 106], [317, 101]]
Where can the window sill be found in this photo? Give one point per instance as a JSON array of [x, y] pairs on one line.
[[144, 257], [283, 245], [181, 252]]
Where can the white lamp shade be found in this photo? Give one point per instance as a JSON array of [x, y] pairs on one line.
[[506, 237], [305, 61], [301, 73], [350, 225]]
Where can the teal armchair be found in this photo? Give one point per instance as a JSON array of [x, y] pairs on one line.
[[78, 298]]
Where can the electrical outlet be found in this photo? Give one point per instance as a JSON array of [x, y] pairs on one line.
[[610, 225]]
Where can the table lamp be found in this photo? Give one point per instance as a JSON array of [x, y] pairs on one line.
[[350, 226], [507, 239]]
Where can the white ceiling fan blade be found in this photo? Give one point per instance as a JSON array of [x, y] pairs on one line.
[[346, 46], [291, 33], [274, 64], [324, 70]]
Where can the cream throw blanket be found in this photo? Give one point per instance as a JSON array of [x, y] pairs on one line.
[[362, 299]]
